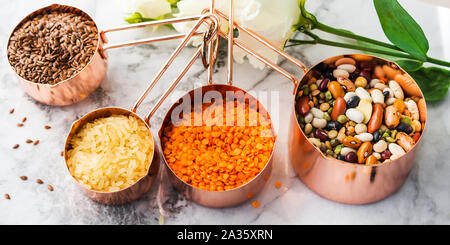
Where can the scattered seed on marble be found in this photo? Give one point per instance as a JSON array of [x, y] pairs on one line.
[[36, 142], [23, 177], [47, 127], [28, 141], [7, 196], [62, 153], [16, 146], [50, 188], [20, 125], [24, 119], [39, 181], [11, 111], [278, 185]]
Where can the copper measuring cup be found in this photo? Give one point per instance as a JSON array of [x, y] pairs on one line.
[[142, 185], [81, 84], [342, 181], [227, 198]]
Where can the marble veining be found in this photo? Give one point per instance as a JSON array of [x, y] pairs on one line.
[[424, 199]]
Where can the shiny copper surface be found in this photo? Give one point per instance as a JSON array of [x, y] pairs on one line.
[[216, 199], [79, 86], [130, 193], [342, 181], [72, 89], [142, 185]]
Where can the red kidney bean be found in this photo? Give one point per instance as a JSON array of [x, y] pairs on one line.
[[339, 108], [366, 75], [323, 86], [386, 155], [366, 65], [322, 135], [351, 157], [302, 105]]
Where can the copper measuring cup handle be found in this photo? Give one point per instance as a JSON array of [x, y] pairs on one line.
[[202, 19], [250, 51], [105, 46]]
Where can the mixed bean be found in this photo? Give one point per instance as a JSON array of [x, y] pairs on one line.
[[360, 111]]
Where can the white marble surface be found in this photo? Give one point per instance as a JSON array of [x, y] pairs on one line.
[[424, 199]]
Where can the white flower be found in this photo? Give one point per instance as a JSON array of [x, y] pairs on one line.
[[272, 19], [147, 8]]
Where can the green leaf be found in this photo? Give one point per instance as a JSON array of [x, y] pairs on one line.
[[407, 64], [401, 29], [137, 18], [306, 20], [433, 81]]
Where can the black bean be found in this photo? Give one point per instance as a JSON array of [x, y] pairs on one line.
[[353, 102], [322, 67], [403, 127], [386, 95], [376, 136], [333, 125], [329, 74]]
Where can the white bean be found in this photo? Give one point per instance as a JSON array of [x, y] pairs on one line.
[[363, 94], [319, 123], [309, 117], [354, 115], [346, 150], [377, 96], [360, 128], [380, 86], [349, 95], [364, 137], [376, 155], [390, 101], [340, 73], [315, 141], [347, 67], [380, 146], [373, 82], [396, 149], [398, 91], [412, 107], [317, 113]]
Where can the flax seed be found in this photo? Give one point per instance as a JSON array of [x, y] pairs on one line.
[[39, 181], [23, 177], [16, 146], [36, 142]]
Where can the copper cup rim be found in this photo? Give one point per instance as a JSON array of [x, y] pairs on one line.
[[260, 106], [53, 7], [335, 160], [68, 137]]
